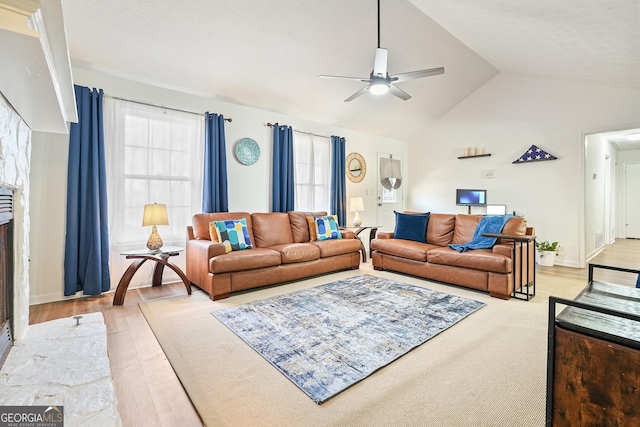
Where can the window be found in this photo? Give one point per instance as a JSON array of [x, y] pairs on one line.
[[312, 166], [154, 155]]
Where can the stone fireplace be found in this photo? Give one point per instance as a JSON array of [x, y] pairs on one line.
[[15, 160], [6, 271]]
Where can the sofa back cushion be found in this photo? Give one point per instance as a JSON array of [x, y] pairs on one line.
[[270, 229], [300, 226], [440, 229], [465, 228], [201, 222], [516, 226]]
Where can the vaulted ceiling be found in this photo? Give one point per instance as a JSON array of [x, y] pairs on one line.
[[268, 55]]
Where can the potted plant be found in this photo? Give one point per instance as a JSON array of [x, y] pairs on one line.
[[548, 252]]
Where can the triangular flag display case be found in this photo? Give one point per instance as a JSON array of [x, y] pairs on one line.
[[535, 154]]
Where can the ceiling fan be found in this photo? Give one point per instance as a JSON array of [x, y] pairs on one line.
[[380, 81]]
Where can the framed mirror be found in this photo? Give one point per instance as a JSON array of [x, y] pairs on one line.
[[356, 167]]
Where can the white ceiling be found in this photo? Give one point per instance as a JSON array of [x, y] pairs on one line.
[[268, 55]]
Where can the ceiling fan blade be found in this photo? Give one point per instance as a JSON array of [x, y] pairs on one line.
[[359, 79], [357, 94], [380, 63], [403, 77], [395, 90]]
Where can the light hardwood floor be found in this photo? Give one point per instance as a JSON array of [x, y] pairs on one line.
[[148, 391]]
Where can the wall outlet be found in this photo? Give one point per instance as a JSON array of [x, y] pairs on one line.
[[489, 173]]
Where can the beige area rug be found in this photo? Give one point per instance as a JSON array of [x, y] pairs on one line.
[[487, 371]]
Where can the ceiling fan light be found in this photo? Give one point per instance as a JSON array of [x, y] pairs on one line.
[[379, 89]]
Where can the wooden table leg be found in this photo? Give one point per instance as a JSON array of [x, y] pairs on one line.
[[161, 261], [187, 283], [372, 235], [121, 290], [157, 273]]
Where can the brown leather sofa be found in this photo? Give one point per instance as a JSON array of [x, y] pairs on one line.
[[282, 251], [495, 270]]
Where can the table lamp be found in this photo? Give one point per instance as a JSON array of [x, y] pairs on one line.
[[357, 205], [154, 214]]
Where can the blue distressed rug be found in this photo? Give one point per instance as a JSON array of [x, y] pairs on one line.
[[328, 338]]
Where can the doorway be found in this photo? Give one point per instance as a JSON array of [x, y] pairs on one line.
[[390, 189], [609, 201], [632, 201]]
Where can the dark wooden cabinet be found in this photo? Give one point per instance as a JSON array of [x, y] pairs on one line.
[[593, 376]]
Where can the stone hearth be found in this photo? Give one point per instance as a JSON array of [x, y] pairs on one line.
[[59, 363]]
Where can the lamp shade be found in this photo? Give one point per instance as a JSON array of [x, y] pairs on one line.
[[155, 214], [356, 204]]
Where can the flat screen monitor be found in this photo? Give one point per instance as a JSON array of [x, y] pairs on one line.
[[471, 197]]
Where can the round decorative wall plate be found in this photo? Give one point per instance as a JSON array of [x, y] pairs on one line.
[[356, 167], [247, 151]]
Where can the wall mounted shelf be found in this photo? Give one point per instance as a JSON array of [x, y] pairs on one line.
[[474, 156]]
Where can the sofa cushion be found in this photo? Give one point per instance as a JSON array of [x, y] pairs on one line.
[[337, 247], [297, 252], [411, 226], [313, 226], [300, 226], [244, 260], [465, 228], [233, 234], [270, 229], [201, 223], [402, 248], [477, 259], [326, 228], [440, 229]]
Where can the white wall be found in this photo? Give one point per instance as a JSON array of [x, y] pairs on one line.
[[249, 186], [506, 116]]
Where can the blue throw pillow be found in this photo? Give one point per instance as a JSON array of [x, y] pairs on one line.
[[411, 226]]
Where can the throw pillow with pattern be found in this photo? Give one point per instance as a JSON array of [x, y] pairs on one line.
[[233, 234], [327, 228]]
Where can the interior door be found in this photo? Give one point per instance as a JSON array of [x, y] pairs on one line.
[[632, 201], [390, 189]]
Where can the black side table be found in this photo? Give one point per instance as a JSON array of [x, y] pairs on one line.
[[360, 229]]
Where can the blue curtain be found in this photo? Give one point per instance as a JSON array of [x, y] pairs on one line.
[[214, 189], [86, 251], [338, 179], [283, 186]]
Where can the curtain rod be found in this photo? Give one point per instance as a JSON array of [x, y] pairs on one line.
[[299, 131], [159, 106]]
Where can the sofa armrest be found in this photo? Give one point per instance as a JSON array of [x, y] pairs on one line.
[[505, 244], [204, 249], [199, 252], [384, 235], [346, 234]]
